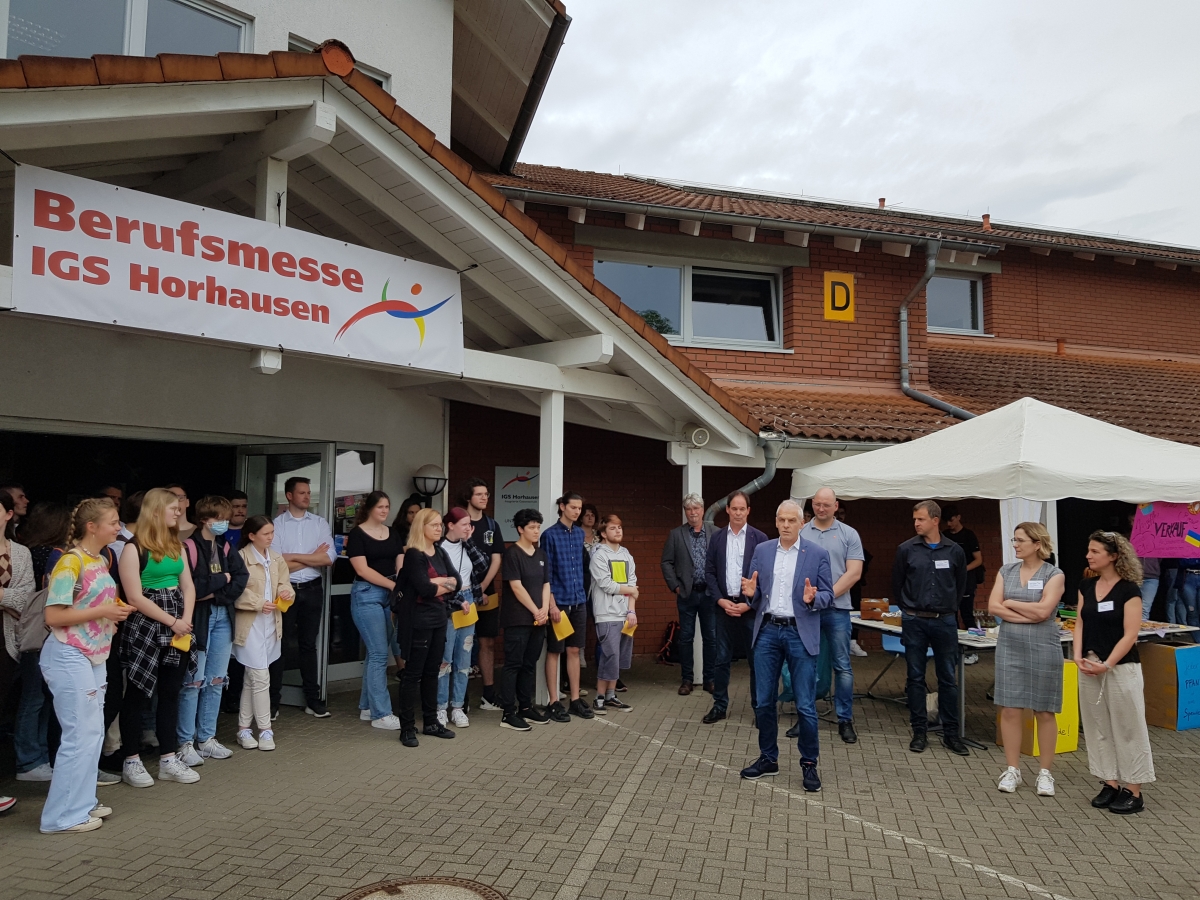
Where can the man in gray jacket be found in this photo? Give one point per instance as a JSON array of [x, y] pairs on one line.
[[683, 562]]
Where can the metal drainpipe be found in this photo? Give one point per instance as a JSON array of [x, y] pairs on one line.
[[931, 254], [772, 450]]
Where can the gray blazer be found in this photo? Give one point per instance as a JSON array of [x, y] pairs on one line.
[[677, 566]]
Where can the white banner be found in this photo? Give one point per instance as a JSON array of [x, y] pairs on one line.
[[93, 252], [516, 489]]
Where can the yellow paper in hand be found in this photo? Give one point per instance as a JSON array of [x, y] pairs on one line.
[[182, 642], [620, 572], [284, 605], [491, 601], [463, 619], [629, 628], [563, 628]]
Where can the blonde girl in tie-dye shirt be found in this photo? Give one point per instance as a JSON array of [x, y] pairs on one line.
[[82, 581]]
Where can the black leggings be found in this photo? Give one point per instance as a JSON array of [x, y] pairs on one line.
[[170, 681], [419, 679]]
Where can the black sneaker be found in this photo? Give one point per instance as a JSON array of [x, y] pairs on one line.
[[1107, 795], [955, 745], [556, 713], [793, 732], [1126, 804], [847, 733], [919, 742], [318, 709], [580, 709], [614, 703], [812, 782], [437, 729], [621, 686], [515, 722], [599, 707], [760, 768], [533, 716], [713, 715], [408, 737]]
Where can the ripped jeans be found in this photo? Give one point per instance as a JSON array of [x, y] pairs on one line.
[[200, 700], [78, 687], [456, 662]]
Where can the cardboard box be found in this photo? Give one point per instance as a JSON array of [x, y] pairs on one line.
[[873, 610], [1068, 719], [1171, 676]]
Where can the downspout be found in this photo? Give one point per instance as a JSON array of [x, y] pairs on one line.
[[772, 450], [932, 248]]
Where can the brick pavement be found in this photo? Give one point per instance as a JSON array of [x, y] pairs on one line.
[[639, 805]]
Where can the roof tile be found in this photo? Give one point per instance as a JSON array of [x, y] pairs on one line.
[[239, 66], [551, 247], [487, 193], [424, 137], [186, 67], [384, 102], [128, 69], [337, 57], [12, 75], [55, 71], [298, 65], [458, 167]]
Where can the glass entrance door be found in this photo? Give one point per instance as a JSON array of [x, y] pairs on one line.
[[263, 470], [356, 474]]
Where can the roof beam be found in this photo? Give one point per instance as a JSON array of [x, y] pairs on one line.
[[744, 233], [480, 34], [61, 157], [593, 350], [506, 371], [852, 244]]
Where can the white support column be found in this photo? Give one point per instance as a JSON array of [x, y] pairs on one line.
[[270, 191], [693, 483], [550, 477]]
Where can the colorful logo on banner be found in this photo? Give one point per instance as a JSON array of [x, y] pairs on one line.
[[397, 308], [1165, 530], [519, 479]]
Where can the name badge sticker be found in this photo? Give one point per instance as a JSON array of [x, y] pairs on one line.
[[1035, 584], [1104, 606], [941, 563]]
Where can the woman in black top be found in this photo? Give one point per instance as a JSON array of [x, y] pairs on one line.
[[1112, 706], [430, 579], [375, 552]]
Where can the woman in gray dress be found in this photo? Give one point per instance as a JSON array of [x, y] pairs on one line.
[[1029, 656]]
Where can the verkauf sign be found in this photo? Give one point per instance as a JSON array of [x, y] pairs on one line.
[[93, 252]]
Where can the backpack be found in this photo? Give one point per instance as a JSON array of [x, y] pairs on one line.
[[668, 654]]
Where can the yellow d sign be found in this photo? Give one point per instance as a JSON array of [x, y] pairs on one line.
[[839, 296]]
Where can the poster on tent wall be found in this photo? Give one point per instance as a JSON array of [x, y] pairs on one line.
[[516, 489], [91, 252], [1167, 530]]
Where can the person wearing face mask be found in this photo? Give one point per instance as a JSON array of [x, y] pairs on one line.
[[472, 567], [219, 576]]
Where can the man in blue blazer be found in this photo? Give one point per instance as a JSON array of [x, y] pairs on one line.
[[723, 574], [790, 582]]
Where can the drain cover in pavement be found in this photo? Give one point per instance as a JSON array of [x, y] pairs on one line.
[[432, 888]]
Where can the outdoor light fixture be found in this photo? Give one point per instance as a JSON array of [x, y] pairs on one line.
[[430, 480]]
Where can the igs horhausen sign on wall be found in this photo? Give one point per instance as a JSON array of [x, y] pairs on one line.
[[93, 252]]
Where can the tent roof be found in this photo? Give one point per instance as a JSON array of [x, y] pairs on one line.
[[1027, 449]]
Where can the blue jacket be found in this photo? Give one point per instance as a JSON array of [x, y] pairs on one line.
[[813, 564], [715, 564]]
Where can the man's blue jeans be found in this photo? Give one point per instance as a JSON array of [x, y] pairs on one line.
[[726, 633], [371, 614], [697, 605], [918, 635], [1149, 590], [775, 645], [456, 667], [200, 701], [1190, 592], [835, 628], [33, 716]]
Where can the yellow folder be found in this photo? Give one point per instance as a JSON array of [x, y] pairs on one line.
[[563, 628], [182, 642], [619, 570], [491, 601], [629, 628], [463, 619], [284, 605]]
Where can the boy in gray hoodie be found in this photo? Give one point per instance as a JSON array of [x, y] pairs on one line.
[[614, 597]]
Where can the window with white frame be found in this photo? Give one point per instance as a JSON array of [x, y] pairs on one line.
[[697, 303], [954, 304], [82, 28]]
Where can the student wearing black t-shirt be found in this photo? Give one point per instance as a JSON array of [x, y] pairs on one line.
[[487, 540], [523, 615], [1112, 705], [375, 552], [952, 528]]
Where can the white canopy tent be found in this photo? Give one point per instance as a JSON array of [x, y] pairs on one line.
[[1024, 454]]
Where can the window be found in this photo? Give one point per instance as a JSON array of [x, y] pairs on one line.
[[696, 304], [81, 28], [954, 304]]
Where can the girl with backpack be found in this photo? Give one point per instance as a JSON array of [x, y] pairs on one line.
[[258, 629], [155, 646], [82, 611]]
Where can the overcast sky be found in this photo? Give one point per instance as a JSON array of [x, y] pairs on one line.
[[1070, 114]]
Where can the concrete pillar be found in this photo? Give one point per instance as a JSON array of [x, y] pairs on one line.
[[550, 476], [270, 191], [693, 483]]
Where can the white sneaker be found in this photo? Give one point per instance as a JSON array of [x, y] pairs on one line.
[[246, 740], [442, 720], [44, 772], [364, 715], [214, 749], [459, 719], [266, 740], [856, 650], [101, 812], [488, 706], [187, 754], [149, 739], [1010, 779], [1045, 783], [91, 824], [387, 723], [174, 769], [970, 659], [134, 774]]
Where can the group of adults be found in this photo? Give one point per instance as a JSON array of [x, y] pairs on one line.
[[781, 598]]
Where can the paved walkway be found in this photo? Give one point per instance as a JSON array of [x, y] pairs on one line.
[[637, 805]]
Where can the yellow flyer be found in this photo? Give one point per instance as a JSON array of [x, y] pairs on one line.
[[491, 601], [629, 628], [182, 642], [563, 628], [463, 619], [284, 605], [620, 572]]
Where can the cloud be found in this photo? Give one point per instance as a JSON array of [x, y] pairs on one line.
[[1069, 114]]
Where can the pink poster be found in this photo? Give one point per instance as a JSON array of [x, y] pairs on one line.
[[1165, 530]]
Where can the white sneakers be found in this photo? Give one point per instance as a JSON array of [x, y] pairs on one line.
[[1045, 783], [214, 749], [91, 824], [134, 774], [387, 723], [44, 772], [442, 719], [364, 715], [187, 755], [459, 719], [172, 768], [970, 659], [1010, 780], [245, 739], [266, 740], [856, 650]]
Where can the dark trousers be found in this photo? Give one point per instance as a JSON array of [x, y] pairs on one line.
[[418, 680], [732, 633], [114, 694], [919, 635], [778, 644], [166, 722], [966, 606], [697, 605], [518, 680], [303, 619]]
